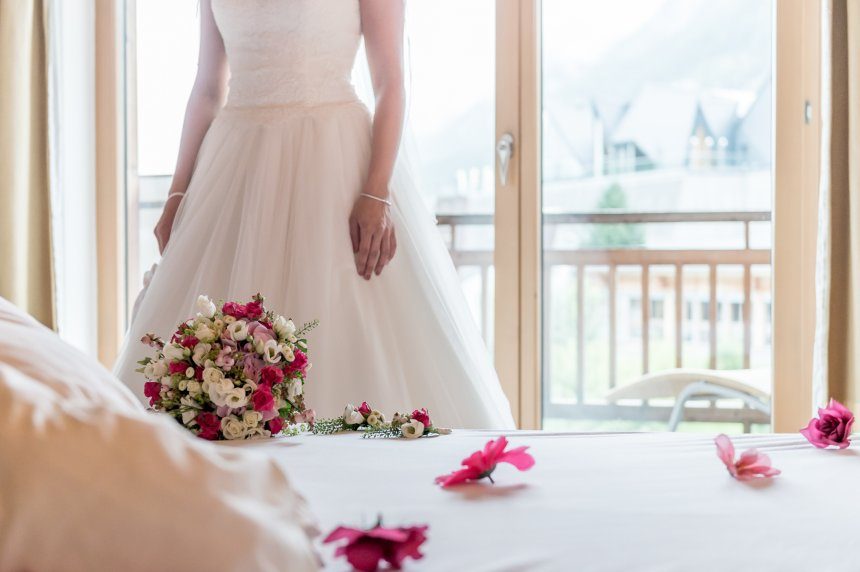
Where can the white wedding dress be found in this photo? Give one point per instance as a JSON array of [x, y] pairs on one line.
[[267, 211]]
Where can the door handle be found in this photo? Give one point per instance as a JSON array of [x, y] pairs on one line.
[[505, 150]]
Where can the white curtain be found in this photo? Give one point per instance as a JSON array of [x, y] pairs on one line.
[[71, 29]]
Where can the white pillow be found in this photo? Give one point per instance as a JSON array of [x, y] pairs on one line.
[[90, 481]]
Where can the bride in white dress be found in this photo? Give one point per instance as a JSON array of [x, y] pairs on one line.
[[292, 189]]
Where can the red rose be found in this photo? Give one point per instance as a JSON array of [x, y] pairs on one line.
[[422, 416], [189, 342], [210, 425], [152, 389], [236, 310], [271, 375], [300, 363], [177, 367], [364, 409], [254, 310], [262, 399], [276, 425]]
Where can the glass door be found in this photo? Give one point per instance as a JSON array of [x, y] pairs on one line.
[[657, 186]]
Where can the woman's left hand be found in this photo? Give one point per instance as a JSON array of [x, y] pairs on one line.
[[372, 234]]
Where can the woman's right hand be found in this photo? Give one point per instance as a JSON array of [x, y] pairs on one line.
[[165, 223]]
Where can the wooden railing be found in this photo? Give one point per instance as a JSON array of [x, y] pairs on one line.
[[610, 259]]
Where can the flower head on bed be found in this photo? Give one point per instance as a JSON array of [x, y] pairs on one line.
[[365, 549], [481, 464], [750, 465], [831, 427], [232, 372]]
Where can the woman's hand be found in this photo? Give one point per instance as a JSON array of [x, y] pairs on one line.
[[165, 223], [372, 234]]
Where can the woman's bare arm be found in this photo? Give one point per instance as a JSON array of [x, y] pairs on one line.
[[207, 97], [372, 233]]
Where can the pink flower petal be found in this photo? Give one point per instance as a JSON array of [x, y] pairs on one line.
[[725, 449], [518, 458]]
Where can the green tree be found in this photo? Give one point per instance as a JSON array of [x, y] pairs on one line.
[[623, 235]]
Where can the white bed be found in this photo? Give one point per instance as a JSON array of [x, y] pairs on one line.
[[658, 502], [89, 481]]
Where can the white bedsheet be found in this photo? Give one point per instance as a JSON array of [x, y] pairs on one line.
[[660, 502]]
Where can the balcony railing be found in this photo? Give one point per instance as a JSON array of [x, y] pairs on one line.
[[608, 262]]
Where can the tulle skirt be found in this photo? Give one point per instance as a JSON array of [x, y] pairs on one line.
[[267, 211]]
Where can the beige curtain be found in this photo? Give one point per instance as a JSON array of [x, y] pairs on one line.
[[26, 276], [839, 249]]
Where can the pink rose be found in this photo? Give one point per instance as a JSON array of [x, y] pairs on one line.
[[364, 549], [251, 367], [306, 416], [299, 364], [276, 425], [236, 310], [254, 310], [152, 389], [271, 375], [422, 416], [262, 399], [831, 427], [225, 359], [260, 332], [209, 424], [177, 367], [364, 409]]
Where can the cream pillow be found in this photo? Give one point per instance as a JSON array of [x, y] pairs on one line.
[[90, 481]]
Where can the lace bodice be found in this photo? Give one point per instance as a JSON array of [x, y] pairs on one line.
[[287, 52]]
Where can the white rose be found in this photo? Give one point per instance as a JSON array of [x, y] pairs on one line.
[[191, 410], [236, 398], [375, 419], [220, 390], [205, 306], [200, 351], [259, 433], [287, 352], [238, 329], [182, 385], [189, 373], [412, 430], [149, 371], [159, 369], [352, 416], [232, 427], [205, 333], [294, 389], [283, 327], [194, 388], [219, 324], [212, 375], [252, 418], [229, 319], [174, 352], [271, 352]]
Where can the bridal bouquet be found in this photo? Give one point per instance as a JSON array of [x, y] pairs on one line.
[[234, 372]]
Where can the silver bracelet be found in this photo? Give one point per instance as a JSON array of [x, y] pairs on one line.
[[375, 198], [171, 195]]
